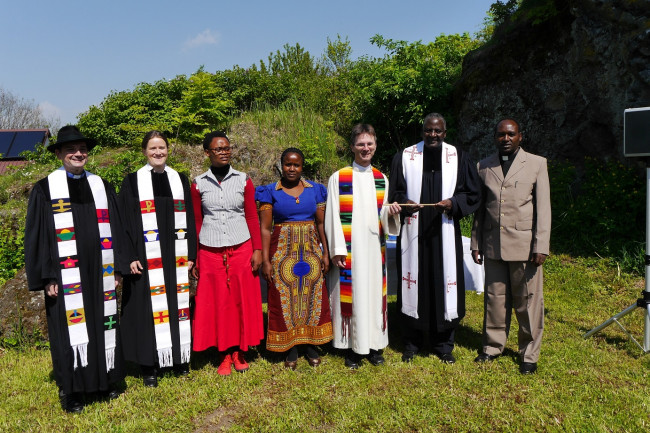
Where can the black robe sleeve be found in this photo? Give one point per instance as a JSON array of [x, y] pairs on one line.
[[467, 195], [191, 224], [129, 209], [39, 266]]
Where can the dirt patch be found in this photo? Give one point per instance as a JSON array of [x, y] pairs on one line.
[[219, 420]]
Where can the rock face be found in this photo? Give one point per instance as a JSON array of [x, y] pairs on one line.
[[19, 305], [566, 72]]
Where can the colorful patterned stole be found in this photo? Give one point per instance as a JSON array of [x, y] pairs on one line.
[[345, 212], [64, 225], [155, 270]]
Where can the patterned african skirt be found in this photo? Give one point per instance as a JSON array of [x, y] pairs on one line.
[[298, 303]]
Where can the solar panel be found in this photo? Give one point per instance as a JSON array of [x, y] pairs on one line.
[[6, 138], [13, 143]]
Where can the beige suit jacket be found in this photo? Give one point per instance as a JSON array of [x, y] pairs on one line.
[[514, 219]]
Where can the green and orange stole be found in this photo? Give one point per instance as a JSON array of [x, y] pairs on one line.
[[345, 212]]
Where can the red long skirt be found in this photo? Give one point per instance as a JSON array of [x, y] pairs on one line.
[[228, 309]]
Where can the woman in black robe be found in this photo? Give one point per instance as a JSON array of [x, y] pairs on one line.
[[137, 324]]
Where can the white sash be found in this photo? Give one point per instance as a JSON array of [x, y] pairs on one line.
[[156, 274], [64, 226], [412, 168]]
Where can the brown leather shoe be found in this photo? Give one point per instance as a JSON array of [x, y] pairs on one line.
[[314, 362], [290, 365]]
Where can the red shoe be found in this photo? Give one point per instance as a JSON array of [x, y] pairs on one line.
[[240, 363], [224, 367]]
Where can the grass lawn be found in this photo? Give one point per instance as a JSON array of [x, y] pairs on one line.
[[601, 384]]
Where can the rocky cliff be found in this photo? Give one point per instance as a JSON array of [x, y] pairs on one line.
[[566, 70]]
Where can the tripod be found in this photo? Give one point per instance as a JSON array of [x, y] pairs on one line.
[[643, 302]]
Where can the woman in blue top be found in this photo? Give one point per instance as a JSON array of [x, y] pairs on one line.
[[295, 260]]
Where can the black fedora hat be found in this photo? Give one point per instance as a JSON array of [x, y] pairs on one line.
[[69, 134]]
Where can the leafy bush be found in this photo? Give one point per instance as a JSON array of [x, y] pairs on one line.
[[599, 210], [12, 249]]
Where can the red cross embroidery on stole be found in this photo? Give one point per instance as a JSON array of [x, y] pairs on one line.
[[408, 280], [447, 155], [411, 219], [413, 152], [161, 317]]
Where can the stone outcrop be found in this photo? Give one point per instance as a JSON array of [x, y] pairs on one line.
[[566, 70], [21, 308]]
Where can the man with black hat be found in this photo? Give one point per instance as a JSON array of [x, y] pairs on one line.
[[69, 254]]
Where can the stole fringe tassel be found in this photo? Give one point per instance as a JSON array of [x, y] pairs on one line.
[[165, 358], [110, 359], [81, 351], [185, 353]]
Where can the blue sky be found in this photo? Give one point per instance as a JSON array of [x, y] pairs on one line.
[[67, 55]]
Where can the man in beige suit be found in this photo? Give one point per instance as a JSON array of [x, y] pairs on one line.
[[512, 230]]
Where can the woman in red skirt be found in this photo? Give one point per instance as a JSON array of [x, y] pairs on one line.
[[228, 312]]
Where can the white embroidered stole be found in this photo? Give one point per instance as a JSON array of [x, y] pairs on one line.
[[412, 159], [64, 226], [155, 270]]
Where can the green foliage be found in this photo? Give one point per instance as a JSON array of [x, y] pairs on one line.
[[599, 211], [394, 93], [202, 108], [292, 125], [124, 117], [500, 11], [113, 165], [12, 248], [40, 155], [537, 11]]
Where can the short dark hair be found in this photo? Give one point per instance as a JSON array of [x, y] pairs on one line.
[[510, 120], [211, 136], [361, 128], [153, 134], [292, 150], [434, 116]]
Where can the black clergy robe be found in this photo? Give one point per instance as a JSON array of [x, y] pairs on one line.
[[136, 322], [42, 265], [466, 198]]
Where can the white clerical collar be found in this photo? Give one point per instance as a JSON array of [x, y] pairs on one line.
[[361, 167], [75, 176]]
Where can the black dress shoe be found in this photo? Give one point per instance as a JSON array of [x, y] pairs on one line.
[[447, 358], [484, 357], [150, 381], [182, 369], [112, 394], [528, 367], [376, 359], [352, 360], [71, 402], [408, 355]]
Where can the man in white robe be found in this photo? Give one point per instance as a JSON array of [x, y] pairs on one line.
[[364, 333]]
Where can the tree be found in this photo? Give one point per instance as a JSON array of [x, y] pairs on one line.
[[20, 113]]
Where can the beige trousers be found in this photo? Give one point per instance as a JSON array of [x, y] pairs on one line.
[[515, 285]]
